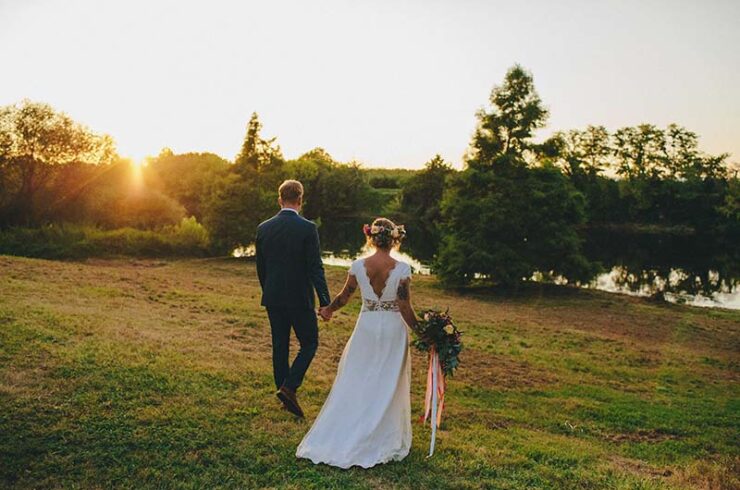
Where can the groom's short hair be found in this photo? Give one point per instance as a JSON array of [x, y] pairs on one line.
[[291, 191]]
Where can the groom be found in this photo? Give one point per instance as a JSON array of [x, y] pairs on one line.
[[289, 268]]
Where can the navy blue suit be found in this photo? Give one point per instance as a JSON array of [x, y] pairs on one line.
[[289, 268]]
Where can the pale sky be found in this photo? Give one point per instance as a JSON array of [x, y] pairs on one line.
[[387, 83]]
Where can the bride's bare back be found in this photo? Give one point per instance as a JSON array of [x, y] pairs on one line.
[[379, 267]]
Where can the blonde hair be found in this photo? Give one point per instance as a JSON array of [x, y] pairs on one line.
[[291, 191], [384, 233]]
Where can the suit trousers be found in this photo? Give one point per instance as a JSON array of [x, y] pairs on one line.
[[306, 327]]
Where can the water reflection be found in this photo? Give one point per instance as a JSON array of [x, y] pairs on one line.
[[345, 260], [650, 283], [698, 270], [343, 239], [695, 270], [248, 251]]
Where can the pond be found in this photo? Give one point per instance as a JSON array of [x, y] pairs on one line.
[[695, 270]]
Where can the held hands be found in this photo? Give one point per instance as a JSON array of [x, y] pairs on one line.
[[325, 313]]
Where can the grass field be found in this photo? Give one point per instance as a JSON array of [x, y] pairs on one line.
[[147, 373]]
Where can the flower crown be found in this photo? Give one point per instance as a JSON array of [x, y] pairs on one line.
[[397, 232]]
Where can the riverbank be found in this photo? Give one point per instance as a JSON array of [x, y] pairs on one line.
[[156, 373]]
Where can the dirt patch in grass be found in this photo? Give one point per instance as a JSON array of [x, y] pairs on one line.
[[648, 436], [721, 473], [639, 468], [493, 371]]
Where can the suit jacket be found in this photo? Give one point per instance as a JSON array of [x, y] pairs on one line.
[[289, 262]]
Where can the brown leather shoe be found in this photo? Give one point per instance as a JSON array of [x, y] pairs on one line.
[[288, 397]]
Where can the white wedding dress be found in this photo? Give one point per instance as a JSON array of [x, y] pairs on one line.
[[366, 420]]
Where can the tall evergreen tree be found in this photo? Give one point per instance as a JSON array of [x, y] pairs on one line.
[[256, 153], [248, 193], [501, 219], [506, 129]]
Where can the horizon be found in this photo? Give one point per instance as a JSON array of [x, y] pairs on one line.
[[388, 85]]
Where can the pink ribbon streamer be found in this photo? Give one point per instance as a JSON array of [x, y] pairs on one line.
[[434, 400]]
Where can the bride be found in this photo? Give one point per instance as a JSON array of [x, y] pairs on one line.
[[366, 420]]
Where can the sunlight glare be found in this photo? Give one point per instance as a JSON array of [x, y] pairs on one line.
[[137, 174]]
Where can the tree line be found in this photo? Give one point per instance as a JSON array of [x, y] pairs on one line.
[[518, 207], [55, 171]]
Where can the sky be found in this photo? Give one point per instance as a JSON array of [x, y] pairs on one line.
[[386, 83]]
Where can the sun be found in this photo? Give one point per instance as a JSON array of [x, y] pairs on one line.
[[137, 173]]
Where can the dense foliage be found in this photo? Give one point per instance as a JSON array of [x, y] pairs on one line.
[[422, 193], [645, 175], [518, 208], [502, 218], [71, 241], [34, 140], [54, 170], [189, 178], [246, 193], [61, 184]]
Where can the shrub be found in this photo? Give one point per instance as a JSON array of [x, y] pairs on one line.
[[188, 238]]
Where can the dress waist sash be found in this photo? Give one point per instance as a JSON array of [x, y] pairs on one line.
[[372, 305]]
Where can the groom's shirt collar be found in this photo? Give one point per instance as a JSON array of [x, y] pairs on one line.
[[289, 209]]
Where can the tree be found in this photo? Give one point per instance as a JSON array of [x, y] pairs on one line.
[[247, 193], [684, 160], [666, 178], [585, 152], [345, 192], [109, 195], [586, 156], [34, 138], [729, 209], [516, 112], [420, 202], [257, 154], [423, 192], [640, 152], [260, 163], [503, 220], [311, 169], [332, 190], [188, 178]]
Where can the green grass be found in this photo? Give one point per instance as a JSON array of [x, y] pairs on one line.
[[156, 374]]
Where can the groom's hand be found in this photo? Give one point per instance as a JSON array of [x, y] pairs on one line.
[[325, 313]]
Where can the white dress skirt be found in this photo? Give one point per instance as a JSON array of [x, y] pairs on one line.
[[366, 419]]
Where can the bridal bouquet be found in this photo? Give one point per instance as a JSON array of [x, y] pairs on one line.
[[437, 335]]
